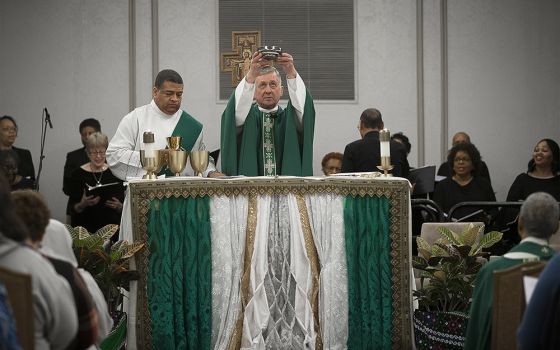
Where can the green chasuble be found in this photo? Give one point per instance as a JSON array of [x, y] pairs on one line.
[[479, 330], [242, 154], [189, 129]]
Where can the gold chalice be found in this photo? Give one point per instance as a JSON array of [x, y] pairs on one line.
[[174, 142], [163, 156], [150, 164], [177, 161], [199, 162]]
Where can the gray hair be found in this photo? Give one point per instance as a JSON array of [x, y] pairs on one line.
[[97, 139], [540, 213], [269, 69]]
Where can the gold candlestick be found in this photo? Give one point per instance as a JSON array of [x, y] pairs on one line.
[[385, 166]]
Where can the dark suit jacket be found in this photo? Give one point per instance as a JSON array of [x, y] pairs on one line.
[[365, 155], [25, 165], [74, 160]]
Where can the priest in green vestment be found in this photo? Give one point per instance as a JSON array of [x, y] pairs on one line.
[[538, 220], [262, 138]]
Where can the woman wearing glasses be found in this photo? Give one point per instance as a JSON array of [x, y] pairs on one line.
[[465, 184], [98, 195], [8, 134]]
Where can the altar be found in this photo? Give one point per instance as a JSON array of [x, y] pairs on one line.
[[270, 262]]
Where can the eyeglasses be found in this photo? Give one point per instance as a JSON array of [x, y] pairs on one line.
[[10, 129], [465, 160], [97, 153]]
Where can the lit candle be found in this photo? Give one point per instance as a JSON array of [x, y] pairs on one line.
[[384, 138], [149, 146]]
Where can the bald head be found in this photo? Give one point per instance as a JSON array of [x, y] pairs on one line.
[[460, 137]]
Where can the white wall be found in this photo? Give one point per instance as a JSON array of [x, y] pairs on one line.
[[72, 56]]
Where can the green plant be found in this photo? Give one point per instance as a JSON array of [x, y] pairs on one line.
[[108, 264], [450, 266]]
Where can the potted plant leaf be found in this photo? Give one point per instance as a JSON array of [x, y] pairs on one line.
[[447, 272], [108, 264]]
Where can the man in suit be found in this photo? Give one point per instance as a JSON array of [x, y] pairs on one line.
[[538, 220], [365, 154], [78, 157]]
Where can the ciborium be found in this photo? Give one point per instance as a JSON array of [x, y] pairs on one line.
[[177, 161], [199, 162]]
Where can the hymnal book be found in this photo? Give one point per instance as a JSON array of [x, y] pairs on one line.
[[423, 179], [105, 191]]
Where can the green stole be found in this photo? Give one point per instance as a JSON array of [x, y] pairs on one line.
[[189, 129], [243, 154]]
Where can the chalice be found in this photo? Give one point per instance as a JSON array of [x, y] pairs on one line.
[[163, 159], [199, 162], [177, 160], [174, 142], [150, 164]]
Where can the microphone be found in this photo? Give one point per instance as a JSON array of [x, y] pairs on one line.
[[48, 118]]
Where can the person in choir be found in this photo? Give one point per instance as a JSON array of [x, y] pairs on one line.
[[77, 158], [162, 116], [464, 184], [55, 318], [9, 167], [539, 327], [262, 138], [365, 154], [445, 168], [31, 208], [332, 163], [8, 134], [403, 140], [93, 211], [543, 173], [538, 220]]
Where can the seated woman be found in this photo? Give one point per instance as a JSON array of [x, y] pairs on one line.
[[55, 316], [97, 203], [332, 163], [9, 167], [464, 185], [8, 134], [403, 140], [543, 173]]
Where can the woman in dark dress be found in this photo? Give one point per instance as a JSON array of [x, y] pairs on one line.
[[8, 135], [97, 204], [464, 185], [543, 173], [9, 167]]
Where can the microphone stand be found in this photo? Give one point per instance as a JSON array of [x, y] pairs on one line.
[[44, 121]]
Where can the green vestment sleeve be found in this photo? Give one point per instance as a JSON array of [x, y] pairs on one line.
[[479, 329], [242, 153]]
